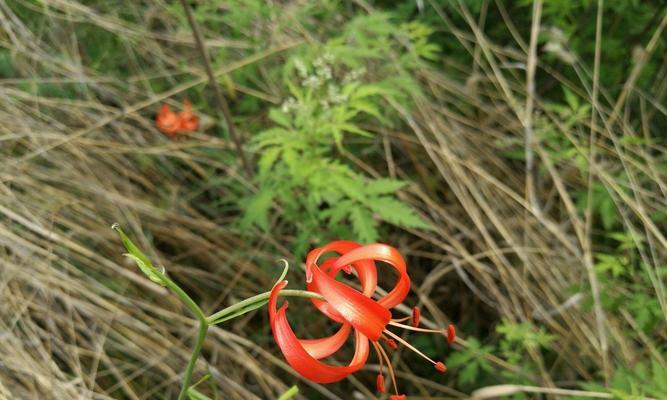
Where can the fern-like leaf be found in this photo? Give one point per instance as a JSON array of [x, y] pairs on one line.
[[384, 186], [397, 213], [363, 225]]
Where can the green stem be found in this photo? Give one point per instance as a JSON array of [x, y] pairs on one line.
[[262, 297], [201, 334], [187, 378]]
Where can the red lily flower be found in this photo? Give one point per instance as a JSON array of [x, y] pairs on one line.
[[173, 124], [354, 310]]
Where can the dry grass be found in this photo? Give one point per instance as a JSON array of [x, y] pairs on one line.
[[76, 321]]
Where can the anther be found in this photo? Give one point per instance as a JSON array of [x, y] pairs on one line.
[[440, 366], [451, 333], [380, 383], [416, 315]]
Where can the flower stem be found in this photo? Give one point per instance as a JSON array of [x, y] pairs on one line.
[[187, 378], [201, 334]]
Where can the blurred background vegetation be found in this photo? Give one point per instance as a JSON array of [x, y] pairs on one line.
[[514, 151]]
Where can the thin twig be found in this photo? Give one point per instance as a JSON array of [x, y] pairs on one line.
[[588, 250], [531, 65], [219, 97]]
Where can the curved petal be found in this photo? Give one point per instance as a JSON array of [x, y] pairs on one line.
[[299, 358], [166, 120], [324, 307], [366, 270], [324, 347], [188, 124], [388, 254], [365, 315]]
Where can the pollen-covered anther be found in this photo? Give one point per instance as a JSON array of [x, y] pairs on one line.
[[397, 397], [379, 382], [440, 366], [451, 333], [416, 315]]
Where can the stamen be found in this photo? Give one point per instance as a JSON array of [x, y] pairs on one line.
[[379, 383], [397, 397], [408, 345], [379, 357], [390, 342], [451, 333], [416, 315], [412, 328], [440, 367], [401, 319], [389, 367]]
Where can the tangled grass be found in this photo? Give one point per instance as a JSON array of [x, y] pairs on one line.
[[511, 242]]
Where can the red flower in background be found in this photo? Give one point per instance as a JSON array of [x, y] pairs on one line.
[[177, 124], [355, 310]]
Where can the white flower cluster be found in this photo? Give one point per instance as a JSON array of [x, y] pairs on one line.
[[289, 105], [354, 75], [320, 75], [322, 71], [557, 44]]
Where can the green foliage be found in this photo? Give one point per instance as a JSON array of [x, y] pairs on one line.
[[518, 337], [471, 362], [641, 381], [301, 175], [289, 393]]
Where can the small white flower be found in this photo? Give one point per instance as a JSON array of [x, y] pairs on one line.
[[312, 81], [301, 68]]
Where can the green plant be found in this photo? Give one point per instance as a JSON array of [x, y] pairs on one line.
[[301, 174], [471, 362], [252, 303]]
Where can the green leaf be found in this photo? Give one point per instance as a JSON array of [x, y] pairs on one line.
[[352, 186], [139, 257], [470, 360], [280, 118], [194, 394], [571, 99], [368, 90], [363, 225], [267, 160], [147, 269], [384, 186], [368, 108], [257, 209], [616, 265], [338, 212], [240, 312], [354, 129], [397, 213], [289, 393]]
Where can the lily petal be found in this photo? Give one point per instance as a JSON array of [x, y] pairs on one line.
[[388, 254], [166, 120], [297, 356], [324, 347], [365, 315], [366, 270]]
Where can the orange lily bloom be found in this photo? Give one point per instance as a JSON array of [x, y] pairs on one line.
[[174, 124], [356, 311]]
